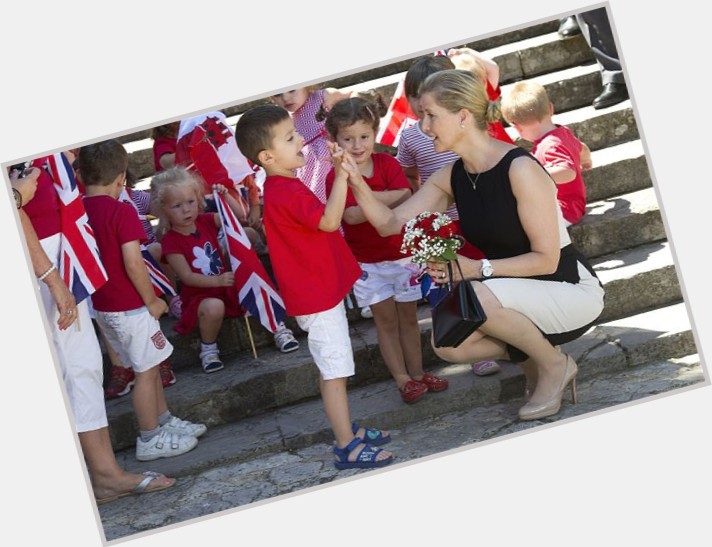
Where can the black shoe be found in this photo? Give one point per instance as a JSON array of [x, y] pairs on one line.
[[612, 94], [568, 27]]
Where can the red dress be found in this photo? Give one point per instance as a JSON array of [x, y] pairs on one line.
[[203, 253]]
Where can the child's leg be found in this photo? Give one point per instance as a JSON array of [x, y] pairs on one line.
[[409, 337], [145, 403], [336, 406], [211, 312], [386, 318]]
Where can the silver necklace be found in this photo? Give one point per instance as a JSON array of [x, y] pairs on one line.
[[473, 182]]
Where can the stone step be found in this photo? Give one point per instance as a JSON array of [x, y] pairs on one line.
[[620, 222], [616, 225], [616, 346], [636, 280], [617, 170]]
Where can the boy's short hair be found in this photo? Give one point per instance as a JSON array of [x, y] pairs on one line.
[[421, 69], [526, 102], [100, 163], [253, 132]]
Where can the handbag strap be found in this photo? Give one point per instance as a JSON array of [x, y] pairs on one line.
[[449, 272]]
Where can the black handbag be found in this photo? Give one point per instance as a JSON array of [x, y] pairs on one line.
[[458, 314]]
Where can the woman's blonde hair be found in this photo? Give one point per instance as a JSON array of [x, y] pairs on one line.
[[169, 179], [455, 90]]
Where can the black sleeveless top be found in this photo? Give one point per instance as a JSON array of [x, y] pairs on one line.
[[490, 221]]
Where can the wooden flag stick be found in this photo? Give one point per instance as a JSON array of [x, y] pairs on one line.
[[249, 334]]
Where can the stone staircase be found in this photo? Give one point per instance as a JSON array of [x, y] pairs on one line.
[[271, 403]]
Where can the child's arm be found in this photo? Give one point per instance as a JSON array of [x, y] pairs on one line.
[[333, 96], [138, 274], [193, 279], [413, 177], [466, 58], [391, 198], [561, 174], [335, 203], [586, 161], [237, 207]]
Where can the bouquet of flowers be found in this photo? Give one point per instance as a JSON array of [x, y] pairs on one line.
[[430, 236]]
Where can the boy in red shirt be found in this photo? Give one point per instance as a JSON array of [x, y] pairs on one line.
[[528, 109], [308, 251], [126, 306]]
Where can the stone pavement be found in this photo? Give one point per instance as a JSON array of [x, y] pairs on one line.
[[232, 485]]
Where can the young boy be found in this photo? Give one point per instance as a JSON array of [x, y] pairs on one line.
[[127, 309], [528, 109], [307, 250]]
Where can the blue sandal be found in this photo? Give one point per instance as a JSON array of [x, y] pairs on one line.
[[366, 458], [374, 437]]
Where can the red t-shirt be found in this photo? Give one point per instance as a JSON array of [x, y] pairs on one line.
[[560, 147], [114, 223], [314, 269], [365, 242], [161, 146], [43, 209]]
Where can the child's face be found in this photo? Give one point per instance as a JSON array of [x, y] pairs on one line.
[[358, 140], [180, 206], [291, 100], [414, 104], [285, 152]]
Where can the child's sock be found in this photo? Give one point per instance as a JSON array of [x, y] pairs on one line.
[[164, 418], [148, 435], [208, 347]]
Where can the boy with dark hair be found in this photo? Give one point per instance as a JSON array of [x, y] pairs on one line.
[[126, 306], [307, 251]]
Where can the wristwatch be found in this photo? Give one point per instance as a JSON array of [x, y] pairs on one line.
[[18, 198], [487, 270]]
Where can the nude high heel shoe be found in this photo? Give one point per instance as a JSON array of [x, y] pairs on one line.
[[552, 406]]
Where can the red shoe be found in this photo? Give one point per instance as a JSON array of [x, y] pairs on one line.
[[121, 382], [433, 383], [412, 391], [167, 376]]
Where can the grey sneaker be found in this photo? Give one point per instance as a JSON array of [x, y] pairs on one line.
[[210, 361], [184, 427], [164, 445]]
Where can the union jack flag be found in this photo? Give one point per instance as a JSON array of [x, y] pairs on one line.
[[79, 261], [159, 280], [256, 293]]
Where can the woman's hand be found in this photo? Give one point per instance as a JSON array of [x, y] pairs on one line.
[[438, 271]]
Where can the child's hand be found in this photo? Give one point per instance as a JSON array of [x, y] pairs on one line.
[[336, 153], [349, 165], [226, 280], [157, 308], [222, 190]]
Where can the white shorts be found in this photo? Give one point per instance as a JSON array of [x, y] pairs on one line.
[[79, 356], [383, 280], [136, 337], [329, 342]]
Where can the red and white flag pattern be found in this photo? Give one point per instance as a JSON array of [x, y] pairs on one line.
[[398, 117], [79, 261], [256, 292]]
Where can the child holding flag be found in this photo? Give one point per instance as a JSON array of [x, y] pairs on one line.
[[127, 308], [308, 251]]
